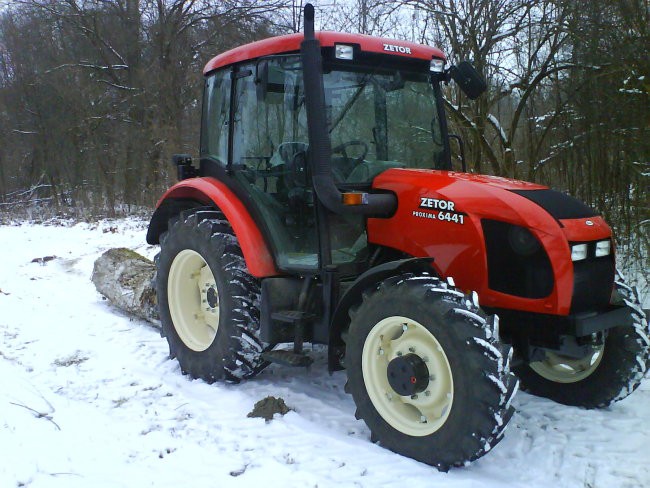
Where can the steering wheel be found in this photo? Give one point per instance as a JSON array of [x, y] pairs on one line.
[[290, 161]]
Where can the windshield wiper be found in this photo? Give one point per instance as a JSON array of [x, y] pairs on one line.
[[351, 101]]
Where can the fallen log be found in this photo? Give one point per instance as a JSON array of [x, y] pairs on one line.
[[126, 279]]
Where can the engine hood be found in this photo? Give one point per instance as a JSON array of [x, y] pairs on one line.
[[514, 201], [480, 196], [444, 215], [493, 181]]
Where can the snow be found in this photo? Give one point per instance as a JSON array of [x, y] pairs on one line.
[[89, 398]]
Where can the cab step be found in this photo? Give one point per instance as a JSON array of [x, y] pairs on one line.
[[287, 358], [292, 317]]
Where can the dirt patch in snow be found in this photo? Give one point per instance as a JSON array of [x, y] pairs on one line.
[[267, 407]]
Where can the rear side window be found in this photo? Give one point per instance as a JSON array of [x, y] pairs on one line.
[[216, 110]]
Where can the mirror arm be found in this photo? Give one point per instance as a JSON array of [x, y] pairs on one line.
[[447, 74], [461, 146]]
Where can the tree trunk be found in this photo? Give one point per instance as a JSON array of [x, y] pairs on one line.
[[126, 279]]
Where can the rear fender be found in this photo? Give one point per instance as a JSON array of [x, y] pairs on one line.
[[209, 191]]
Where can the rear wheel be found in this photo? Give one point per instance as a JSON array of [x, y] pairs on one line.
[[427, 371], [607, 373], [208, 302]]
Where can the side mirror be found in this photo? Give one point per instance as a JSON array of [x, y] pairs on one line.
[[469, 80], [184, 167]]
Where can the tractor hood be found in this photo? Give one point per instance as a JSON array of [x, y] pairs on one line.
[[467, 223], [482, 196]]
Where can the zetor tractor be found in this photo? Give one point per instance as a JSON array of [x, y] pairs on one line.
[[325, 210]]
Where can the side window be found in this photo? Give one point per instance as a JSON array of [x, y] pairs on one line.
[[216, 110], [270, 116]]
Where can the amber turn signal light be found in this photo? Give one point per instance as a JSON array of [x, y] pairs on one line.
[[355, 198]]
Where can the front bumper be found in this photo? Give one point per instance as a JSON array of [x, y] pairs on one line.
[[585, 324]]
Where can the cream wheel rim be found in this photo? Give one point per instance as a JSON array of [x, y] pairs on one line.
[[562, 369], [420, 414], [193, 300]]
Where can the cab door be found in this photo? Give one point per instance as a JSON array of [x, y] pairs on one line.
[[269, 157]]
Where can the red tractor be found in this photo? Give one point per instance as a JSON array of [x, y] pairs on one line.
[[325, 210]]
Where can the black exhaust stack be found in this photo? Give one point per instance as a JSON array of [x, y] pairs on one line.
[[320, 148]]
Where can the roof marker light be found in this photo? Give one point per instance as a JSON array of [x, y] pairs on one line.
[[437, 65], [343, 51]]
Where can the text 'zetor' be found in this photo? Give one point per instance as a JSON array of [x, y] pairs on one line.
[[426, 202]]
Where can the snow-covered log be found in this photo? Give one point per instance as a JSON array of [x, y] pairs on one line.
[[126, 278]]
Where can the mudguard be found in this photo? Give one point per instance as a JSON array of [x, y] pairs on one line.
[[209, 191], [373, 276]]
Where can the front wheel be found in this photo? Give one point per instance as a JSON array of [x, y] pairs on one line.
[[427, 371], [608, 373]]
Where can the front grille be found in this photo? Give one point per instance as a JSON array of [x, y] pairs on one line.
[[527, 276], [593, 280]]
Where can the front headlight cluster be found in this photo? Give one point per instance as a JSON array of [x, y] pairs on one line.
[[581, 251]]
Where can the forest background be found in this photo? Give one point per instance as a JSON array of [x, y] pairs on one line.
[[96, 95]]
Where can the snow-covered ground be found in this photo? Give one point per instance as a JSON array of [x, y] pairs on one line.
[[89, 398]]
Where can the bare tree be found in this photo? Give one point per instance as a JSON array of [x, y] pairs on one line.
[[127, 74]]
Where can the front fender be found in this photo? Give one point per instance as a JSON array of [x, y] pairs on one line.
[[210, 191], [341, 319]]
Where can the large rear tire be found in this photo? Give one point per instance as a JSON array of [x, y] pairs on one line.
[[608, 373], [207, 300], [427, 371]]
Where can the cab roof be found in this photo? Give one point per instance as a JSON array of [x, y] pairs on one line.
[[291, 43]]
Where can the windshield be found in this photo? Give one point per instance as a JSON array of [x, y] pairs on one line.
[[382, 119]]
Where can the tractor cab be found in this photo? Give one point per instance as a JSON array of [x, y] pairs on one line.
[[383, 109]]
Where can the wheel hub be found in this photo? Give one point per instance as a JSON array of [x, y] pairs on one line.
[[193, 299], [417, 395], [408, 375], [563, 369], [212, 297]]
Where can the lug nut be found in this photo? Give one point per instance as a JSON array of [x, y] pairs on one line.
[[414, 397], [411, 349]]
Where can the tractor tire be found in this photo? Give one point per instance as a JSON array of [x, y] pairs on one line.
[[606, 375], [427, 371], [207, 300]]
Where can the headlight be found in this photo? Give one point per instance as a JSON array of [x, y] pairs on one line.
[[603, 248], [522, 241], [578, 252]]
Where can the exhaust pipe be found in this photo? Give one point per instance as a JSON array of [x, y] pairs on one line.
[[320, 147]]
